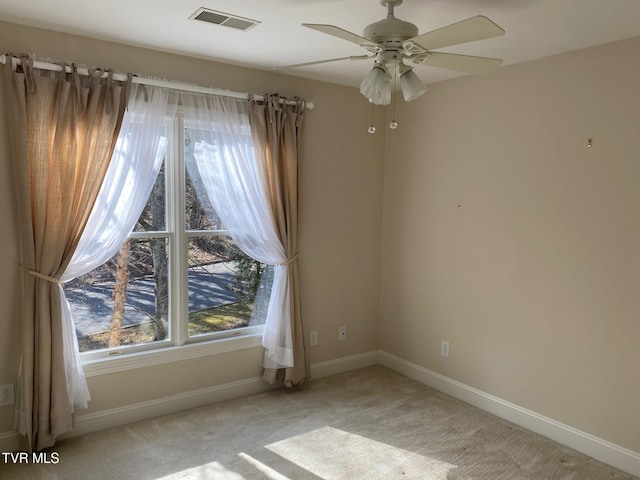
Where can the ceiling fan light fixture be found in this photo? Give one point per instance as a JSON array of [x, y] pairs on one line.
[[412, 86], [376, 86], [385, 96]]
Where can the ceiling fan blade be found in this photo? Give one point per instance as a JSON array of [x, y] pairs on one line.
[[461, 63], [342, 33], [469, 30], [318, 62]]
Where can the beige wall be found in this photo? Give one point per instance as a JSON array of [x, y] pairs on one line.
[[341, 196], [506, 235]]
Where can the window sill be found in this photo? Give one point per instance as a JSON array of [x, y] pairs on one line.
[[171, 354]]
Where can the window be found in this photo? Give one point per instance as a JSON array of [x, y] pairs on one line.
[[179, 278]]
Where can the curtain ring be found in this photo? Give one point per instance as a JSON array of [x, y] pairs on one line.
[[127, 90], [96, 74], [27, 68], [110, 100], [299, 109], [78, 86]]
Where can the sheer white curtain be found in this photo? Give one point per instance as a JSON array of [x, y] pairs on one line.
[[135, 163], [237, 186]]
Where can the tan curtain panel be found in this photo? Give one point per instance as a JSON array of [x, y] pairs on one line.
[[276, 128], [63, 129]]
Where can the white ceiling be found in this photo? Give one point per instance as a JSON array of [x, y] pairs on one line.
[[535, 28]]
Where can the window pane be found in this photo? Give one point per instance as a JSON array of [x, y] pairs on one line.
[[199, 212], [227, 289], [154, 216], [126, 300]]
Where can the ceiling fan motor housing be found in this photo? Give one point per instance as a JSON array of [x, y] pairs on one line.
[[390, 32]]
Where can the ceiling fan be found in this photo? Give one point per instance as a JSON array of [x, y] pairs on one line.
[[392, 41]]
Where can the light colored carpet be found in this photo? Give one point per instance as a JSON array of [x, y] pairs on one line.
[[366, 424]]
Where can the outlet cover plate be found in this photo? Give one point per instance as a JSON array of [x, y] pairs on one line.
[[6, 395], [444, 348]]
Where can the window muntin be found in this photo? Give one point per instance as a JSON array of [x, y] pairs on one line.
[[184, 280]]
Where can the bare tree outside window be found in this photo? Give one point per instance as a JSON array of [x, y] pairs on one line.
[[127, 300]]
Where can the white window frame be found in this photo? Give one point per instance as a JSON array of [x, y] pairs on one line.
[[179, 346]]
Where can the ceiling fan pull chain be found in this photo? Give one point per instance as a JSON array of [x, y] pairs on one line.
[[372, 127], [393, 125]]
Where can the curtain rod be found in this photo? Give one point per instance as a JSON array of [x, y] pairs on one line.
[[149, 81]]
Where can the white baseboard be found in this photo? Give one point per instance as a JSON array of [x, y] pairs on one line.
[[602, 450], [102, 420], [344, 364], [116, 417]]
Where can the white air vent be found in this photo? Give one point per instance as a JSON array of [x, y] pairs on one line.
[[225, 19]]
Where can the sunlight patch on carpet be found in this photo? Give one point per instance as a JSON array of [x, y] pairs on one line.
[[213, 470], [332, 454], [265, 469]]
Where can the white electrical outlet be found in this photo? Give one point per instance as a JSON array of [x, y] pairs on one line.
[[342, 334], [444, 348], [6, 394], [313, 338]]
